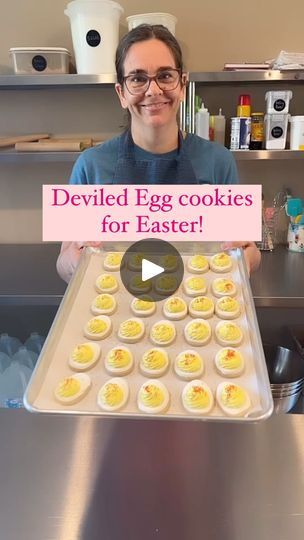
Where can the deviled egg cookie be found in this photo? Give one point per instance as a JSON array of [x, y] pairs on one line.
[[153, 397], [221, 262], [84, 356], [233, 399], [229, 362], [166, 284], [168, 262], [98, 327], [198, 264], [175, 308], [119, 361], [143, 306], [137, 286], [73, 388], [162, 332], [195, 286], [113, 395], [112, 262], [104, 304], [106, 283], [131, 330], [154, 362], [228, 333], [197, 332], [223, 287], [135, 261], [188, 365], [201, 306], [197, 397], [227, 308]]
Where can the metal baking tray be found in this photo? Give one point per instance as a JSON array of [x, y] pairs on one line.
[[74, 311]]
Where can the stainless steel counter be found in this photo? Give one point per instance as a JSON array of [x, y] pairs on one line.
[[91, 479]]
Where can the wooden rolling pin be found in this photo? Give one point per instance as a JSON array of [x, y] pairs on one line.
[[86, 141], [11, 141], [49, 147]]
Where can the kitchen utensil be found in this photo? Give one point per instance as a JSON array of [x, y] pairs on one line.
[[49, 147], [11, 141]]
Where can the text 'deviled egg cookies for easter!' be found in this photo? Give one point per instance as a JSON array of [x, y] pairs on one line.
[[184, 355]]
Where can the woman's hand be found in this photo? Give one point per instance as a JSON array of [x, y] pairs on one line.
[[69, 256], [251, 252]]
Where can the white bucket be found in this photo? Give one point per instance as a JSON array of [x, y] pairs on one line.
[[95, 34], [166, 19], [296, 132]]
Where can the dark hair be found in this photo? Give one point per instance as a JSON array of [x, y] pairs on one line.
[[144, 32]]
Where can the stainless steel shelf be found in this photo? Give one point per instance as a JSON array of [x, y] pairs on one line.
[[44, 81], [212, 77], [253, 155], [10, 156]]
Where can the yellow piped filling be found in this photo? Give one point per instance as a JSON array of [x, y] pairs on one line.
[[196, 283], [229, 359], [162, 332], [130, 328], [112, 394], [96, 326], [196, 397], [175, 305], [229, 332], [202, 303], [151, 395], [82, 354], [224, 285], [228, 304], [198, 330], [189, 362], [222, 259], [107, 282], [233, 396], [104, 301], [153, 359], [68, 387], [118, 358], [142, 305], [113, 259], [198, 262]]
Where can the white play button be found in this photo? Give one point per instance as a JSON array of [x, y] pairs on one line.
[[150, 270]]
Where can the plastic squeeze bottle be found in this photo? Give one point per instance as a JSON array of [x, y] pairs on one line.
[[219, 127], [202, 122]]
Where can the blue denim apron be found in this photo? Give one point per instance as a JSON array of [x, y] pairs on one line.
[[129, 170]]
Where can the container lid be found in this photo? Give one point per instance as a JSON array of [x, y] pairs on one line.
[[39, 49], [134, 17], [296, 119], [84, 3]]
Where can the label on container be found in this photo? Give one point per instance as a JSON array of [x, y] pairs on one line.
[[245, 130], [277, 132], [93, 38], [279, 105], [39, 62]]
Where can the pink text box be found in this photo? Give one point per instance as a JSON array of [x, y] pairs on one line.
[[169, 212]]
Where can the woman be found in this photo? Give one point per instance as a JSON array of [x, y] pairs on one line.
[[151, 85]]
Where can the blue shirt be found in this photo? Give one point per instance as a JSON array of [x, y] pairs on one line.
[[211, 162]]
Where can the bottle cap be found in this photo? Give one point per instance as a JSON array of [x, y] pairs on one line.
[[244, 99]]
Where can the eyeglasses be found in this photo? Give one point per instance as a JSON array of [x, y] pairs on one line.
[[166, 79]]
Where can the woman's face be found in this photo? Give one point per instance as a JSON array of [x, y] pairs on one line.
[[155, 107]]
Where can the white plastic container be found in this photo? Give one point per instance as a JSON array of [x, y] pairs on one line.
[[202, 122], [276, 131], [95, 34], [296, 132], [166, 19], [44, 60], [278, 101]]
